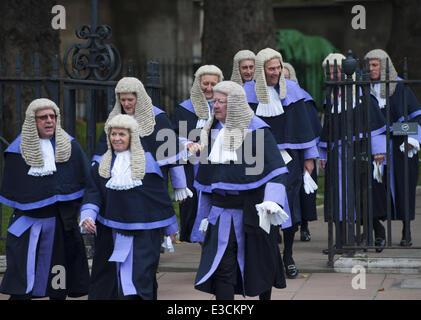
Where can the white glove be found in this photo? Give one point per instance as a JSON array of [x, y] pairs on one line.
[[285, 155], [203, 226], [378, 171], [270, 213], [309, 185], [181, 194], [167, 244], [412, 142]]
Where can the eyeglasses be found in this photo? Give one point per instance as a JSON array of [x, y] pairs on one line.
[[46, 116], [219, 102]]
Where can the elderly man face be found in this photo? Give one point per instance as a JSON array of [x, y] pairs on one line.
[[220, 103], [46, 122], [246, 70], [128, 102], [374, 69], [273, 71]]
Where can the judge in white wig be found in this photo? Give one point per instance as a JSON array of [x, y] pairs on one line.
[[243, 66], [308, 198], [240, 208], [281, 103], [45, 175], [129, 208], [289, 72], [133, 100], [377, 63], [189, 118], [378, 142]]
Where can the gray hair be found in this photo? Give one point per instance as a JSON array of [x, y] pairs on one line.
[[30, 149], [239, 116], [240, 56], [197, 96], [292, 74], [381, 55], [259, 75], [144, 113], [137, 154]]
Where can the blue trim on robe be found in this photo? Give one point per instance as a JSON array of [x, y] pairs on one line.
[[14, 147], [137, 225], [305, 145], [123, 256], [188, 105], [157, 111], [152, 165], [225, 217], [42, 237], [240, 187], [42, 203], [378, 145], [323, 144], [178, 177], [257, 123], [293, 89]]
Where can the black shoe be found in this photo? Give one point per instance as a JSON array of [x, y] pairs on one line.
[[305, 235], [291, 271], [380, 243], [405, 243]]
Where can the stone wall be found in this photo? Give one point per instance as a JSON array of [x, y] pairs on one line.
[[142, 30], [394, 26]]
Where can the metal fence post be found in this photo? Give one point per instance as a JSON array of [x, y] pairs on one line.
[[153, 85]]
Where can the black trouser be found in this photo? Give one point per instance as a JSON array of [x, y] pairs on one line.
[[289, 234], [379, 231], [228, 271], [225, 276], [404, 230]]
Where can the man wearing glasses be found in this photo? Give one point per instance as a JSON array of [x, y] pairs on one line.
[[45, 174]]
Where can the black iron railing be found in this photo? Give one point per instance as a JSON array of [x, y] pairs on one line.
[[349, 180]]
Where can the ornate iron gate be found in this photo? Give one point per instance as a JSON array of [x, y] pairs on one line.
[[94, 68], [349, 171]]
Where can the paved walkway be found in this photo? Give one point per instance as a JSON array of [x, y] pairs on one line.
[[316, 280], [308, 286]]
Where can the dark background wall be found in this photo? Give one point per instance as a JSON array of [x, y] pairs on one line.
[[392, 25]]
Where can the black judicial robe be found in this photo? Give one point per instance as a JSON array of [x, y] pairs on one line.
[[294, 130], [141, 212], [397, 167], [56, 196], [376, 127], [308, 201], [153, 142], [263, 266]]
